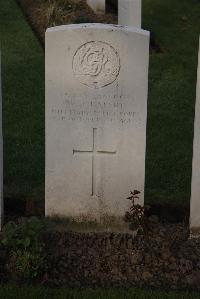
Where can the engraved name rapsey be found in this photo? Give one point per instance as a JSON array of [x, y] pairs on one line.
[[81, 109], [96, 64]]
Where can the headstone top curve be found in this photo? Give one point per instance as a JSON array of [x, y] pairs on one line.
[[98, 26]]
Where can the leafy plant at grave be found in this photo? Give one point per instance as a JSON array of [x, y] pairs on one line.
[[26, 250], [136, 216]]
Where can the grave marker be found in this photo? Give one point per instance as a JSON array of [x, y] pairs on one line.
[[96, 109], [195, 187], [130, 13]]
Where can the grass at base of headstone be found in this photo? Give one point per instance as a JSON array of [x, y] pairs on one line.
[[32, 293], [23, 105]]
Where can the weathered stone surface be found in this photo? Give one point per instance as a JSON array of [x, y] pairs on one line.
[[98, 6], [96, 108], [130, 13], [195, 188]]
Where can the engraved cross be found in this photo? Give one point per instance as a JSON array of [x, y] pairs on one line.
[[94, 152]]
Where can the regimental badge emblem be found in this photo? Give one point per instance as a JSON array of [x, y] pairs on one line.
[[96, 64]]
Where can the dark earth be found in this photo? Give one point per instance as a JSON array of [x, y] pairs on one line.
[[41, 16], [165, 257]]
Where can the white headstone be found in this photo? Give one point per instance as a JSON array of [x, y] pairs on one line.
[[96, 110], [1, 155], [195, 188], [130, 13], [99, 6]]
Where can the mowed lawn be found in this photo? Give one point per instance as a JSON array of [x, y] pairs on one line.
[[11, 292], [23, 105], [175, 26]]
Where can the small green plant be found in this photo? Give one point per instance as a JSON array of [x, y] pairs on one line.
[[26, 250], [28, 264], [136, 216]]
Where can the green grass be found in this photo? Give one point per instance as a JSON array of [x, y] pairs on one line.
[[172, 86], [172, 83], [11, 292], [23, 105]]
